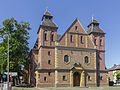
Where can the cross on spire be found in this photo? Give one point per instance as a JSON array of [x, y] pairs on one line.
[[92, 17], [46, 8]]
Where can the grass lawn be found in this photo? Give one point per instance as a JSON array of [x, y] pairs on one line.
[[69, 88]]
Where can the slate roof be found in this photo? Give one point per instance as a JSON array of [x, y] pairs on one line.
[[93, 21], [47, 14], [49, 23], [95, 28]]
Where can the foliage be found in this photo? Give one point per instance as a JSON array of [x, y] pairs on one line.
[[18, 43], [117, 75]]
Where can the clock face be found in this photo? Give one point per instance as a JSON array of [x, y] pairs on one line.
[[66, 58]]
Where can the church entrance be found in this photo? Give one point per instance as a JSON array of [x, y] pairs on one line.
[[76, 79]]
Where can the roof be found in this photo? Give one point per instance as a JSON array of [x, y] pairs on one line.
[[49, 23], [47, 13], [93, 21], [115, 67], [95, 28]]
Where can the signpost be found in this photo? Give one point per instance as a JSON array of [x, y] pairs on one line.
[[11, 73]]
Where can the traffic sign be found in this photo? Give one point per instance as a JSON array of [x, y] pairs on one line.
[[4, 76]]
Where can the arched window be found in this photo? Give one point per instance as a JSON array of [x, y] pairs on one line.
[[45, 78], [52, 37], [86, 59], [81, 39], [71, 38], [45, 36], [49, 62], [66, 58], [75, 27], [89, 78], [95, 42], [49, 53]]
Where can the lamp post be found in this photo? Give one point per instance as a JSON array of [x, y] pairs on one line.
[[8, 66]]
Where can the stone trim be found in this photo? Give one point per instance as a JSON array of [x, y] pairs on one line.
[[92, 70], [75, 48]]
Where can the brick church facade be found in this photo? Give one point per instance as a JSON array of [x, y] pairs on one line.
[[76, 58]]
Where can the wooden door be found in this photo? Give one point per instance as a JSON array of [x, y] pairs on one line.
[[76, 79]]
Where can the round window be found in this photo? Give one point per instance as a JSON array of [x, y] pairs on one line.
[[66, 58], [86, 59]]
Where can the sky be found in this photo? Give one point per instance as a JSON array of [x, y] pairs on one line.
[[106, 12]]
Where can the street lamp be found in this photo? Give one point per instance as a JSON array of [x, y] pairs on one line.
[[8, 66]]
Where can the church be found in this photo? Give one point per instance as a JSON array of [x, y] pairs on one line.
[[76, 58]]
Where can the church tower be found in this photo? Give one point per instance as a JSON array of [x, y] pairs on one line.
[[47, 32], [98, 37], [47, 35]]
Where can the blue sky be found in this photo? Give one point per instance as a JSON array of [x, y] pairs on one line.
[[106, 12]]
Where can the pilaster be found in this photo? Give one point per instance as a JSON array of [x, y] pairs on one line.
[[71, 78], [82, 84]]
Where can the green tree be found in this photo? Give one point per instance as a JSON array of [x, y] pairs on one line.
[[18, 44], [117, 75]]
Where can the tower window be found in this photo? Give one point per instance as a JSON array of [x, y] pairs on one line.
[[76, 27], [64, 78], [71, 37], [100, 42], [95, 41], [45, 36], [89, 78], [49, 62], [81, 39], [86, 59], [49, 73], [52, 37], [45, 78], [49, 53]]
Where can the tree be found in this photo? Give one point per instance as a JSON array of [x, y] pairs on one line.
[[18, 44], [117, 75]]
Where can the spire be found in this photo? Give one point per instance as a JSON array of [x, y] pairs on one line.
[[92, 21], [47, 19], [47, 13], [92, 17], [93, 26], [46, 8]]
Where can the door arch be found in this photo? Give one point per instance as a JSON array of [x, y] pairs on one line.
[[76, 79]]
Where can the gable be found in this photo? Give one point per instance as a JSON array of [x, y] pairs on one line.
[[72, 27], [76, 32]]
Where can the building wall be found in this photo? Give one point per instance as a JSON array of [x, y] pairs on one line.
[[51, 74], [50, 79], [75, 57]]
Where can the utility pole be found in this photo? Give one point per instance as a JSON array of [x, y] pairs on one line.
[[8, 66]]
